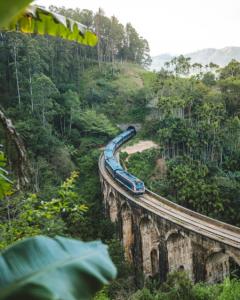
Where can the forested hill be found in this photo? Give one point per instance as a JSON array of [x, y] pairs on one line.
[[66, 102], [117, 42]]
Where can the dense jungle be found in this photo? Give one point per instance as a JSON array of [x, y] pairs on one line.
[[66, 101]]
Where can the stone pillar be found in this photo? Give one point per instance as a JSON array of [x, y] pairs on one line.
[[113, 206], [127, 232], [179, 250], [163, 260]]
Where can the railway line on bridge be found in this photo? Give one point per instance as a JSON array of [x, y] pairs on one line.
[[214, 229], [160, 236]]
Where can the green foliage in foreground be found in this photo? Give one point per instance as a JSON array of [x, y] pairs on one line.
[[179, 287], [9, 10], [30, 216], [54, 268], [5, 183], [38, 20]]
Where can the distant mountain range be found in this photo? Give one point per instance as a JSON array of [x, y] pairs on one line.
[[218, 56]]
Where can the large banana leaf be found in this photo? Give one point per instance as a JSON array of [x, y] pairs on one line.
[[10, 9], [54, 268], [38, 20]]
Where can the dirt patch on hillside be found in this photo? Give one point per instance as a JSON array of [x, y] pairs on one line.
[[139, 147], [161, 166], [135, 76]]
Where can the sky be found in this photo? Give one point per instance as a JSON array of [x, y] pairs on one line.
[[172, 26]]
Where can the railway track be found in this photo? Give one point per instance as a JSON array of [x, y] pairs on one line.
[[208, 227]]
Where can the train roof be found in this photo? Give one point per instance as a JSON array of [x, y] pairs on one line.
[[128, 176], [114, 164], [110, 147], [117, 139], [124, 133], [108, 152], [131, 177]]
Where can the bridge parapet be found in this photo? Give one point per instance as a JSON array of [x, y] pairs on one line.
[[160, 237]]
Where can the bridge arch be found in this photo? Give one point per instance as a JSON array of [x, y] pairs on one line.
[[149, 243], [127, 231], [168, 237], [179, 249], [220, 264]]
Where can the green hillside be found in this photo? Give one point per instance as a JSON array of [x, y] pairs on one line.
[[62, 102]]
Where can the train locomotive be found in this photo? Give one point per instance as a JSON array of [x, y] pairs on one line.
[[126, 179]]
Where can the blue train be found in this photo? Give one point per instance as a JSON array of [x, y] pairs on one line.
[[127, 180]]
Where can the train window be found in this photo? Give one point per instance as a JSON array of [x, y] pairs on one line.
[[126, 182], [139, 185]]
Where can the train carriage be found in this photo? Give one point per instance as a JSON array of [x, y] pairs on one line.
[[126, 179], [130, 182]]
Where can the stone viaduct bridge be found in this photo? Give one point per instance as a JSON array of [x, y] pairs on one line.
[[160, 236]]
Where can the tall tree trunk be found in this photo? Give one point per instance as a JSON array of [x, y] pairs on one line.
[[36, 173], [30, 83], [22, 166], [70, 122], [43, 113], [16, 72], [78, 69], [99, 42]]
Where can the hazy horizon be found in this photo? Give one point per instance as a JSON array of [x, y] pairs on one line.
[[172, 27], [197, 50]]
